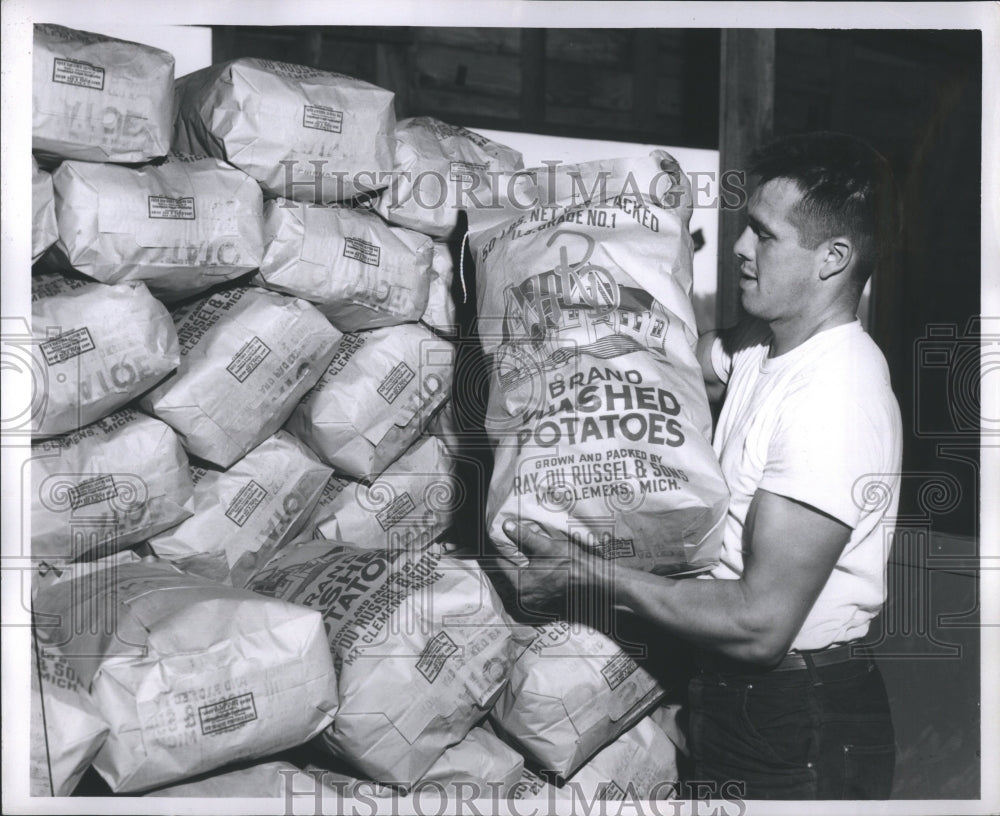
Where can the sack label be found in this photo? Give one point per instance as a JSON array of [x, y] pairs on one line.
[[359, 250], [81, 74], [174, 209], [67, 346], [245, 502], [435, 653], [320, 117], [617, 669], [398, 509], [248, 358], [227, 715], [393, 385], [461, 170], [92, 491], [610, 792]]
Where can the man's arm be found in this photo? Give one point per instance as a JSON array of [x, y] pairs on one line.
[[716, 347], [790, 551], [714, 386]]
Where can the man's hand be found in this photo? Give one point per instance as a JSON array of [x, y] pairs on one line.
[[560, 573]]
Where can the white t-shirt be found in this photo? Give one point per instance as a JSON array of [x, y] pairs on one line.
[[820, 425]]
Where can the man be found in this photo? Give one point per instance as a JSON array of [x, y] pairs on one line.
[[809, 439]]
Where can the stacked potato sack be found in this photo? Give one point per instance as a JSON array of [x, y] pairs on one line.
[[410, 504], [366, 418], [571, 692], [313, 139], [401, 376], [181, 227], [188, 674], [597, 405], [97, 347], [359, 271], [247, 357], [421, 645], [437, 166], [303, 133], [106, 487], [480, 766], [242, 515], [99, 99], [641, 765]]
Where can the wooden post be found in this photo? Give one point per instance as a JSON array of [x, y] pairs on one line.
[[223, 43], [746, 119], [532, 78], [393, 71], [700, 85], [644, 64], [313, 46]]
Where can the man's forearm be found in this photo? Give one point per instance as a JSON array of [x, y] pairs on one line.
[[719, 615]]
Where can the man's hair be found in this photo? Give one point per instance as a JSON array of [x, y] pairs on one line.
[[847, 189]]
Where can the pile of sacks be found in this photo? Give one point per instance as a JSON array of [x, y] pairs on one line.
[[242, 474]]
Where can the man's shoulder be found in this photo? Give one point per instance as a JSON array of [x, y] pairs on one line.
[[846, 353], [847, 378]]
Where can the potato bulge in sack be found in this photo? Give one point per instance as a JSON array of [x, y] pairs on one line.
[[190, 675], [303, 133], [421, 645], [640, 765], [597, 407], [376, 397], [358, 271], [96, 348], [669, 717], [410, 504], [246, 512], [482, 760], [107, 486], [436, 166], [440, 311], [480, 766], [247, 357], [263, 780], [181, 226], [44, 231], [99, 99], [570, 693], [532, 786], [445, 426], [66, 729]]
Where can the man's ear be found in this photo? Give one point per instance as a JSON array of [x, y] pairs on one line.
[[836, 255]]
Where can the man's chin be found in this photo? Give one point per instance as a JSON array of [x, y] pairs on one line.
[[747, 301]]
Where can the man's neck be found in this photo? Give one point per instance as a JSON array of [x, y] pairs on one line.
[[789, 335]]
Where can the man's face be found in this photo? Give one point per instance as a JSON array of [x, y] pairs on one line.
[[777, 274]]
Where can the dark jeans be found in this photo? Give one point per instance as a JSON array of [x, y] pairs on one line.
[[822, 733]]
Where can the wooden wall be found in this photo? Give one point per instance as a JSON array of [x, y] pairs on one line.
[[650, 85]]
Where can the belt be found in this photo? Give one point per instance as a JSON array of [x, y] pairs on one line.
[[793, 661]]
